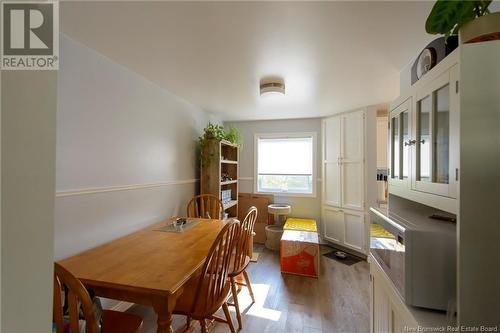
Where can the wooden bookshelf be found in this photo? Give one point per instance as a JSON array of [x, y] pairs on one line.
[[223, 160]]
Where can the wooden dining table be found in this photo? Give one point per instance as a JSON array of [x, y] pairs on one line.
[[148, 267]]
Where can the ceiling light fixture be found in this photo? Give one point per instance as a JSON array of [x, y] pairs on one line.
[[272, 86]]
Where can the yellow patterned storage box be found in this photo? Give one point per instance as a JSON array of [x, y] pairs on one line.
[[300, 225]]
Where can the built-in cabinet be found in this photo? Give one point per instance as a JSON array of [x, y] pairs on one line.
[[345, 227], [423, 137], [388, 312], [453, 117], [343, 193]]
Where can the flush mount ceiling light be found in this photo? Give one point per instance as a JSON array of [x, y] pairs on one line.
[[272, 86]]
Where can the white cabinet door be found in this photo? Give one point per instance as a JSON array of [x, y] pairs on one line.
[[436, 136], [331, 161], [345, 227], [333, 221], [352, 160], [343, 180], [355, 230], [343, 161], [400, 143]]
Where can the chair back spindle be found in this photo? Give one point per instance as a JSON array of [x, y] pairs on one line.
[[205, 206], [244, 239], [213, 286], [77, 295]]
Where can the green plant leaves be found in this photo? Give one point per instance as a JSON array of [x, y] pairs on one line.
[[214, 131], [447, 16], [234, 136]]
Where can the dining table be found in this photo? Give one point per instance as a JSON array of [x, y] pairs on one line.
[[148, 267]]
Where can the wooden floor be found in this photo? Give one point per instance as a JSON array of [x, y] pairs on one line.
[[338, 301]]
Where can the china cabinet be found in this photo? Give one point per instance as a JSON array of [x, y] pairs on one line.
[[424, 139], [450, 160]]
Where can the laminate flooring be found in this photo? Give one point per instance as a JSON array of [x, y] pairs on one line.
[[337, 301]]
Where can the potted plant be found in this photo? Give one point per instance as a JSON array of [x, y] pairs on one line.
[[216, 132], [233, 135], [471, 19]]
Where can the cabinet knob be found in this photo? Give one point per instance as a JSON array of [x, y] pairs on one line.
[[410, 142]]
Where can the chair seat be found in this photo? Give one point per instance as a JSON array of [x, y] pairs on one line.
[[120, 322], [184, 304], [235, 272]]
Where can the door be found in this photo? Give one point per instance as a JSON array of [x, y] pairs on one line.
[[333, 221], [352, 160], [436, 135], [331, 161], [355, 230], [400, 143]]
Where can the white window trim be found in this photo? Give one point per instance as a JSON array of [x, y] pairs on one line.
[[258, 136]]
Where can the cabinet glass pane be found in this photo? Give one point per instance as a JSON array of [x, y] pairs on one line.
[[424, 112], [442, 135], [405, 129], [395, 147]]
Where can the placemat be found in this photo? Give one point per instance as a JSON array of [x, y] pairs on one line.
[[171, 228]]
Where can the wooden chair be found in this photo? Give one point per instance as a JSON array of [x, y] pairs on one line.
[[112, 321], [241, 259], [205, 294], [205, 206]]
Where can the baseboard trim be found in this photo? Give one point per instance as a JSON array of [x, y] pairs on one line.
[[105, 189]]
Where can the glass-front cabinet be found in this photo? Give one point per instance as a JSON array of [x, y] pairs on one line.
[[424, 138], [399, 169]]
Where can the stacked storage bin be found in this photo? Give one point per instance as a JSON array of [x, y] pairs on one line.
[[299, 247]]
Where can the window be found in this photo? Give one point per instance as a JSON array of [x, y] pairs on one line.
[[285, 163]]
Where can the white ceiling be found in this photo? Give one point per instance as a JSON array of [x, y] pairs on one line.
[[334, 56]]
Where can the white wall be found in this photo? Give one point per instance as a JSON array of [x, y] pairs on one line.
[[371, 157], [405, 76], [130, 142], [382, 142], [301, 206], [27, 200]]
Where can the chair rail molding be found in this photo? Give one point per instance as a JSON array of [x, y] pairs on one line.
[[115, 188]]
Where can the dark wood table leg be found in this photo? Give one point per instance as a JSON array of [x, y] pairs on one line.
[[164, 307]]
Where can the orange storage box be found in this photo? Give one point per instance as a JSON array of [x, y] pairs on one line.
[[299, 253]]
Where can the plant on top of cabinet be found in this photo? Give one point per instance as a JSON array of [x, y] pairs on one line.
[[233, 135], [469, 17], [216, 132]]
